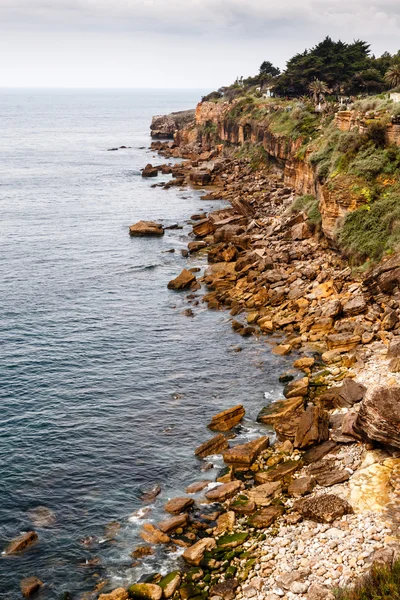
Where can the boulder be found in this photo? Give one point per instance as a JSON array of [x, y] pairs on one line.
[[196, 487], [225, 523], [150, 171], [195, 554], [354, 306], [170, 583], [243, 455], [152, 535], [185, 280], [232, 540], [394, 348], [314, 454], [225, 590], [265, 517], [222, 253], [304, 363], [196, 246], [173, 523], [22, 542], [214, 446], [282, 349], [326, 474], [178, 505], [146, 228], [301, 231], [296, 388], [301, 486], [262, 495], [203, 228], [29, 585], [325, 508], [224, 491], [344, 396], [225, 420], [118, 594], [342, 342], [145, 591], [200, 177], [313, 427], [278, 411], [379, 416]]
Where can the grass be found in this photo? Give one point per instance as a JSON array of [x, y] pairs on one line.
[[382, 583], [309, 204]]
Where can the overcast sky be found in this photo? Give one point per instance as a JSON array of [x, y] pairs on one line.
[[174, 43]]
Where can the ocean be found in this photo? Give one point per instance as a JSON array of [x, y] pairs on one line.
[[106, 386]]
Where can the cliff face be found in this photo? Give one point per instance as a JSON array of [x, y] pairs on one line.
[[348, 120]]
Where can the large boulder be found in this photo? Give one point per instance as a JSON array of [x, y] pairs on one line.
[[145, 591], [244, 455], [146, 228], [30, 585], [150, 171], [325, 508], [185, 280], [379, 416], [213, 446], [344, 396], [225, 420], [194, 554], [22, 542], [313, 427]]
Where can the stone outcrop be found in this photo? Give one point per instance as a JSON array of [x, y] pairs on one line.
[[379, 416], [185, 280], [146, 228], [30, 585], [165, 126], [214, 446], [22, 542], [227, 419]]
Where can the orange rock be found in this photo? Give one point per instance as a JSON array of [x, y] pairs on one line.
[[22, 542], [184, 280], [225, 420], [29, 585]]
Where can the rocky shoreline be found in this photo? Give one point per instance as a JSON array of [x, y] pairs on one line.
[[313, 510]]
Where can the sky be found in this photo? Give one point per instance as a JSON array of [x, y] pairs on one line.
[[200, 44]]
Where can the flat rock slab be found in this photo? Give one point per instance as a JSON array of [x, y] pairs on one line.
[[152, 535], [323, 509], [326, 474], [265, 517], [279, 410], [178, 505], [379, 416], [173, 523], [343, 396], [262, 495], [145, 591], [214, 446], [194, 555], [301, 486], [225, 523], [318, 452], [224, 491], [278, 472], [224, 421], [197, 486], [22, 542], [246, 454], [146, 228], [232, 540], [185, 280]]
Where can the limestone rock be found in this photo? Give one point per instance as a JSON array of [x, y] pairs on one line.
[[152, 535], [262, 495], [29, 585], [379, 416], [145, 591], [344, 396], [301, 486], [326, 474], [170, 583], [185, 280], [265, 517], [214, 446], [195, 554], [118, 594], [323, 509], [143, 228], [226, 420], [313, 427], [22, 542], [244, 455], [178, 505], [173, 523], [224, 491]]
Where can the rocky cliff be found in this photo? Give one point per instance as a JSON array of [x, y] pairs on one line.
[[165, 126]]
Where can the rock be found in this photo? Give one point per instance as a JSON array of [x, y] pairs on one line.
[[222, 253], [150, 171], [265, 517], [282, 349], [224, 421], [326, 474], [304, 363], [173, 523], [244, 455], [145, 591], [195, 554], [214, 446], [278, 472], [179, 505], [29, 585], [355, 306], [262, 495], [226, 589], [232, 540], [22, 542], [224, 491], [390, 320], [196, 487], [152, 535], [203, 228], [296, 388], [301, 486], [379, 416], [318, 452], [200, 177], [170, 583], [164, 126], [275, 412], [151, 494], [196, 246], [313, 427], [144, 228], [348, 426], [301, 231], [342, 342], [325, 508], [344, 396], [41, 516], [319, 592], [299, 587], [185, 280], [118, 594], [394, 348]]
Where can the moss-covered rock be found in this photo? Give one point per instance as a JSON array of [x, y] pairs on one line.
[[145, 591], [232, 540], [170, 583]]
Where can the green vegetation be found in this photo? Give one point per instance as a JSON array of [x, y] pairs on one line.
[[309, 205], [382, 583]]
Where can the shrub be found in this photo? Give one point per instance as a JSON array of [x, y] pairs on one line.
[[382, 583], [309, 204]]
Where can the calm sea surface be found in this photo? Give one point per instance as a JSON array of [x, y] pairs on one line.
[[106, 387]]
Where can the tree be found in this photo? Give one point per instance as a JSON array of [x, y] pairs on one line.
[[318, 89], [392, 75], [267, 68]]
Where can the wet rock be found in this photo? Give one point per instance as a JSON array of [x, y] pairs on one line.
[[118, 594], [152, 535], [196, 487], [282, 349], [344, 396], [262, 495], [151, 494], [301, 486], [173, 523], [185, 280], [214, 446], [178, 505], [145, 591], [29, 585], [41, 516], [170, 583], [281, 410], [203, 228], [226, 589], [227, 419], [379, 416], [244, 455], [195, 554], [146, 228], [323, 509], [296, 388], [313, 427], [150, 171], [196, 246], [224, 491], [22, 542], [265, 517]]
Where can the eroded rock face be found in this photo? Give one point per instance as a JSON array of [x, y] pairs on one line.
[[165, 126], [379, 416], [323, 509], [146, 228]]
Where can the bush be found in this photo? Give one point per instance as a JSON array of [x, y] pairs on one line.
[[382, 583], [309, 204]]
